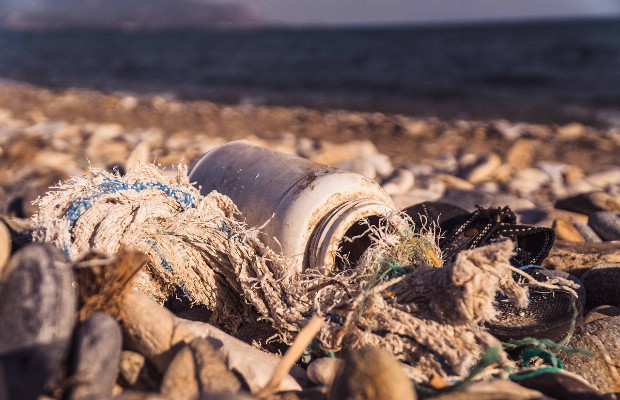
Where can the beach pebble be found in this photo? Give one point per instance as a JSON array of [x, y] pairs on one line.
[[197, 368], [359, 165], [602, 338], [401, 181], [141, 153], [452, 181], [414, 196], [242, 396], [5, 245], [96, 354], [588, 233], [483, 169], [469, 199], [332, 153], [446, 163], [136, 373], [604, 178], [323, 370], [602, 283], [382, 163], [527, 180], [571, 131], [564, 230], [520, 155], [588, 203], [577, 257], [371, 374], [606, 224], [37, 311], [601, 312]]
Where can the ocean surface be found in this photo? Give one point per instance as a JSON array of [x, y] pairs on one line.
[[538, 71]]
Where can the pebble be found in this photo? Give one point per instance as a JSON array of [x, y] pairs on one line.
[[564, 230], [359, 165], [469, 199], [483, 169], [588, 233], [382, 163], [136, 373], [602, 284], [5, 245], [195, 369], [605, 178], [521, 154], [401, 181], [588, 203], [323, 370], [601, 337], [571, 131], [455, 182], [37, 311], [601, 312], [371, 374], [414, 196], [141, 153], [527, 181], [96, 355], [606, 224]]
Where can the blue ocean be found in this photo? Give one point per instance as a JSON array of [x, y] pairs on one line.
[[537, 71]]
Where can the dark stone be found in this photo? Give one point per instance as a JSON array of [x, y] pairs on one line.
[[588, 203], [37, 309], [561, 386], [95, 358], [606, 224]]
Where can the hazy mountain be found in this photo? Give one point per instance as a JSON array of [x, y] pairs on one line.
[[123, 13]]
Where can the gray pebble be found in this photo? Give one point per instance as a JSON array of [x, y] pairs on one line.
[[588, 203], [96, 355], [588, 233], [606, 224], [399, 182], [37, 310]]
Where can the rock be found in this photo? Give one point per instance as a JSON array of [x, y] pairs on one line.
[[606, 224], [602, 283], [601, 312], [140, 154], [323, 370], [132, 395], [483, 169], [564, 230], [197, 368], [382, 163], [468, 199], [588, 233], [455, 182], [399, 182], [95, 358], [571, 131], [588, 203], [37, 311], [414, 196], [564, 386], [446, 162], [242, 396], [371, 373], [602, 338], [527, 180], [5, 245], [576, 258], [332, 153], [359, 165], [603, 179], [136, 373], [521, 154]]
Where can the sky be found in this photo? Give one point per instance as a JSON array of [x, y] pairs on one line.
[[332, 12]]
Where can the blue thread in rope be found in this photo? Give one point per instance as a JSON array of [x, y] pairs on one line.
[[81, 204], [229, 232], [168, 267]]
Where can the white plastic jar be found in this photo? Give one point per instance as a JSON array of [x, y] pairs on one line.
[[310, 207]]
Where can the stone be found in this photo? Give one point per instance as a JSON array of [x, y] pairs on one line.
[[371, 373], [571, 131], [521, 154], [602, 338], [605, 178], [141, 153], [564, 386], [588, 233], [507, 388], [332, 153], [37, 311], [469, 199], [564, 230], [136, 373], [95, 358], [5, 245], [588, 203], [606, 224], [323, 370], [399, 182], [577, 257], [527, 180], [483, 169], [601, 312], [414, 196], [382, 163], [195, 369], [359, 165], [602, 283], [455, 182]]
